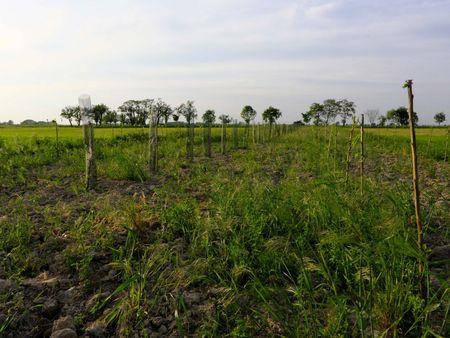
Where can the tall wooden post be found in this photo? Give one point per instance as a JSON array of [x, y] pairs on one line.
[[235, 136], [349, 151], [361, 167], [88, 130], [264, 126], [190, 141], [223, 139], [207, 139], [254, 133], [91, 167], [259, 134], [57, 139], [415, 174], [446, 145], [330, 137], [429, 140], [335, 147], [153, 144]]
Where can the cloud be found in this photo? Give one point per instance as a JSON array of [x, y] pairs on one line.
[[321, 10], [223, 54]]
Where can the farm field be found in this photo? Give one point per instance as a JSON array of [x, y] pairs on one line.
[[266, 240]]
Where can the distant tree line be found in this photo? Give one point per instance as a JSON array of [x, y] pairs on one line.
[[8, 123], [141, 112], [333, 111], [330, 111], [327, 112]]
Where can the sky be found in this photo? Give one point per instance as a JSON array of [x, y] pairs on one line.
[[223, 54]]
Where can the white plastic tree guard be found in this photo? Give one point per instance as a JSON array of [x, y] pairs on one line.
[[84, 101]]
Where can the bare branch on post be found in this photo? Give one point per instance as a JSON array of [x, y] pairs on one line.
[[415, 174]]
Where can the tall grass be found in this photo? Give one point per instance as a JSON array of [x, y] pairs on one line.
[[272, 232]]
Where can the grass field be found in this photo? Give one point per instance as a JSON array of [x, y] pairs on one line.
[[106, 132], [64, 132], [267, 240]]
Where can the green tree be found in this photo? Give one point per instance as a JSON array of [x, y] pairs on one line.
[[306, 117], [189, 112], [122, 118], [156, 111], [345, 109], [331, 110], [77, 115], [400, 116], [110, 117], [439, 118], [271, 115], [382, 121], [248, 114], [224, 119], [209, 117], [97, 113], [162, 110], [315, 113], [129, 110], [165, 109], [144, 110], [69, 113], [137, 111]]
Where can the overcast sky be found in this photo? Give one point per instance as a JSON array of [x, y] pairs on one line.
[[223, 54]]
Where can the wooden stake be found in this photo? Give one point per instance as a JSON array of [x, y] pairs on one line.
[[207, 139], [57, 139], [153, 146], [415, 174], [361, 167], [429, 140], [446, 145], [330, 135], [259, 134], [235, 137], [335, 147], [223, 139], [91, 168], [349, 151], [190, 141]]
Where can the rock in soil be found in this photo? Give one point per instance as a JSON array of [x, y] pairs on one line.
[[63, 323], [163, 329], [96, 329], [51, 308], [64, 333], [192, 298]]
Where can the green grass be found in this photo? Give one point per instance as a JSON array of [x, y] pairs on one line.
[[273, 239], [65, 132]]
